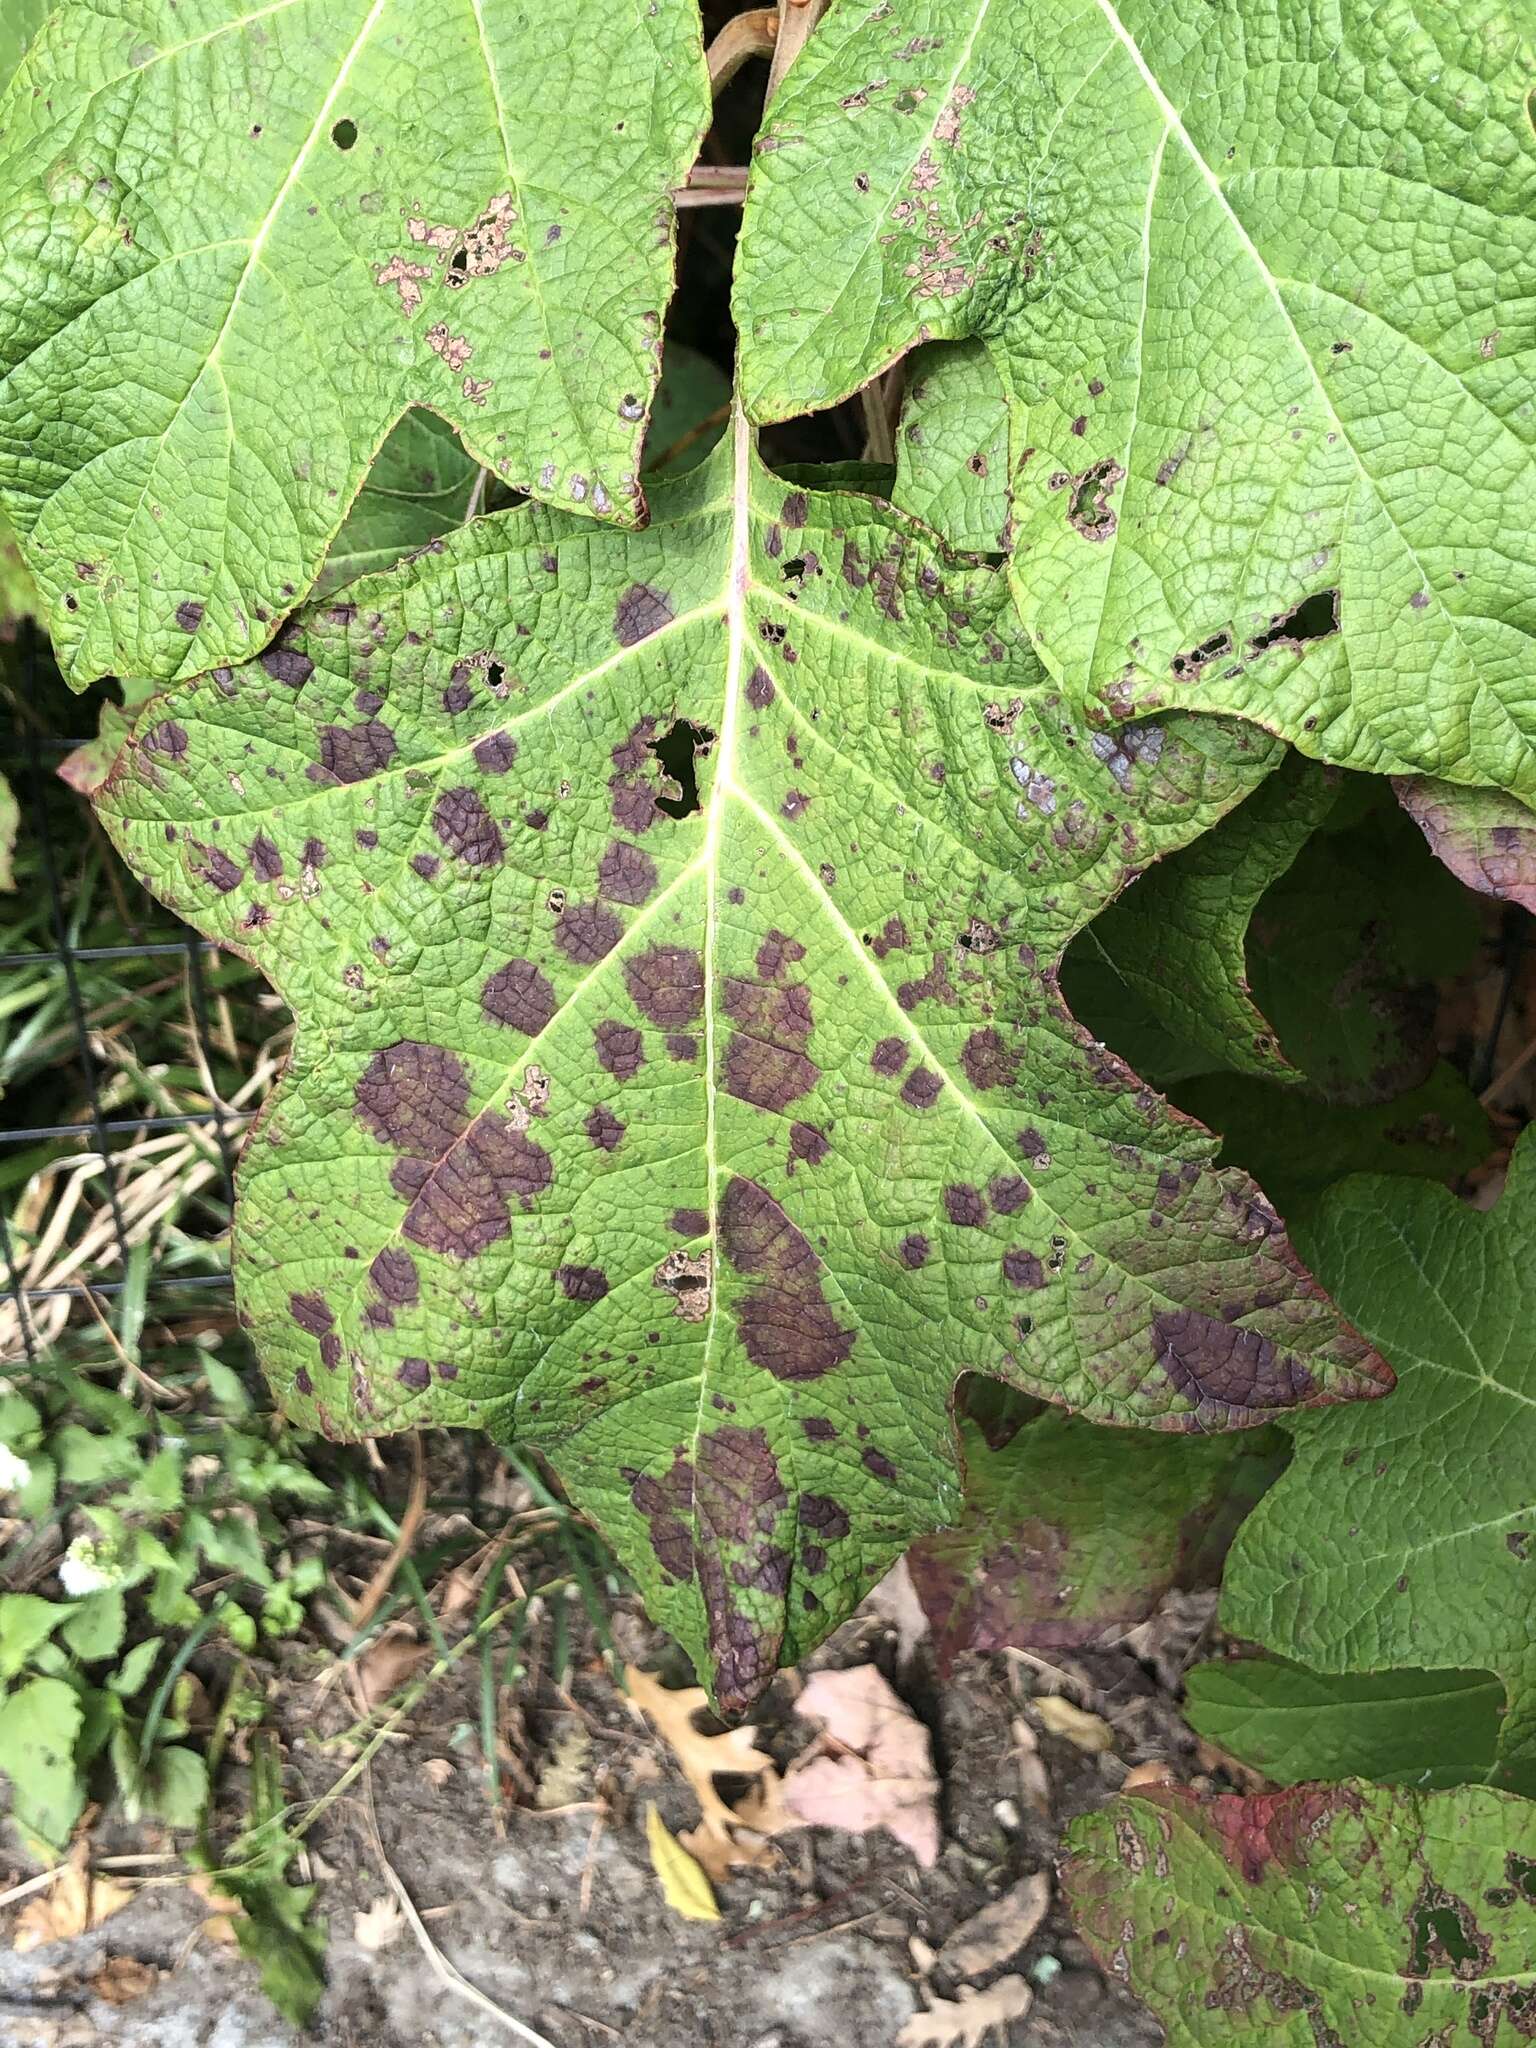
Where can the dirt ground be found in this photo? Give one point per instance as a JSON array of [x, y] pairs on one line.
[[557, 1917]]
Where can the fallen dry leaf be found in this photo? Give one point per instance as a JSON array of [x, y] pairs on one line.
[[684, 1885], [727, 1838], [119, 1980], [382, 1923], [997, 1933], [74, 1903], [870, 1767], [965, 2022], [1141, 1775], [386, 1665], [1033, 1780], [1090, 1732], [437, 1771], [565, 1777]]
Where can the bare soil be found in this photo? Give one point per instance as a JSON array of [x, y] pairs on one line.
[[557, 1917]]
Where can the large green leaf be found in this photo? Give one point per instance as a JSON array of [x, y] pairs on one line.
[[461, 203], [1328, 1916], [1428, 1729], [1412, 1542], [681, 1081], [20, 21], [1071, 1535], [1256, 280]]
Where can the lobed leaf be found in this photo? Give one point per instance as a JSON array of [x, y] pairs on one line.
[[681, 1082], [1413, 1542], [1269, 378], [462, 204], [1327, 1914]]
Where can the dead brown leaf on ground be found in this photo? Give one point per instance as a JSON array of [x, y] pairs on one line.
[[965, 2022], [996, 1934], [73, 1904], [870, 1767]]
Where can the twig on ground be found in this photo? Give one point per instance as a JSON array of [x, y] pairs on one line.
[[439, 1964]]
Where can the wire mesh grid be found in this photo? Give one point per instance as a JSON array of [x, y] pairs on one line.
[[75, 1266]]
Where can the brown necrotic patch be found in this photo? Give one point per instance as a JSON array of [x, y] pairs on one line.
[[467, 829], [1022, 1268], [667, 1504], [395, 1278], [922, 1088], [620, 1049], [603, 1128], [688, 1223], [288, 665], [666, 985], [1218, 1364], [495, 754], [625, 874], [765, 1062], [964, 1206], [582, 1283], [986, 1060], [783, 1318], [353, 753], [521, 995], [1088, 508], [587, 933], [738, 1499], [458, 1182], [641, 611], [889, 1057], [266, 861], [168, 738]]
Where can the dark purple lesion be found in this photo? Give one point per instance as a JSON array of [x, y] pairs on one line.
[[459, 1176], [783, 1317], [1223, 1367]]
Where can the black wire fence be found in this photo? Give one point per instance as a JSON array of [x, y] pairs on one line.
[[86, 927]]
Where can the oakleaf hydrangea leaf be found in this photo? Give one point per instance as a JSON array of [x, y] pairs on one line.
[[1428, 1729], [20, 21], [681, 1082], [458, 203], [1413, 1542], [952, 447], [1269, 373], [1486, 839], [1071, 1534], [1325, 1916]]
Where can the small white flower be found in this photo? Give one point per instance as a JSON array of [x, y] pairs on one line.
[[14, 1471], [89, 1566]]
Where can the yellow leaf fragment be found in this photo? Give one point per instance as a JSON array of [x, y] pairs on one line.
[[683, 1884], [1089, 1732]]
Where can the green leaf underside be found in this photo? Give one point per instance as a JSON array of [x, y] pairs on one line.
[[418, 489], [1326, 1916], [1486, 839], [1296, 1147], [1177, 943], [202, 349], [1070, 1534], [1269, 381], [1413, 1543], [1427, 1729], [704, 1147]]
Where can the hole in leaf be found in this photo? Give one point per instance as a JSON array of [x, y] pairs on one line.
[[1313, 619], [344, 134], [793, 571], [678, 749], [458, 262]]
